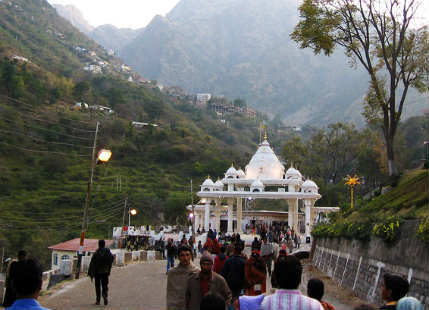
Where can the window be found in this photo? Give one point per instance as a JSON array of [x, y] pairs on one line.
[[55, 259], [65, 257]]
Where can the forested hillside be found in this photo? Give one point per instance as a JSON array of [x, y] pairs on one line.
[[46, 141]]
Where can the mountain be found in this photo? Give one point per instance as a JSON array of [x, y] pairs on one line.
[[114, 38], [46, 139], [242, 48], [74, 16], [109, 36]]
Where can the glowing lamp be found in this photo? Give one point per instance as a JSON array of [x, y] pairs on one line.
[[104, 155]]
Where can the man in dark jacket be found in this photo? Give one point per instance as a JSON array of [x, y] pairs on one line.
[[99, 268], [171, 253], [233, 271]]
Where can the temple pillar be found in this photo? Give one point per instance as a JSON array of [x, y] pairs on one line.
[[295, 215], [197, 217], [217, 215], [308, 203], [292, 221], [239, 214], [207, 217], [230, 214], [289, 213]]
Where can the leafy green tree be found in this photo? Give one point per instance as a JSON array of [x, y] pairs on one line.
[[378, 35], [81, 89]]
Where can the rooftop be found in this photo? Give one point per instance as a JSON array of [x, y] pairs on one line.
[[90, 245]]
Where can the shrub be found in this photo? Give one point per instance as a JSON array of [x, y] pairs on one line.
[[389, 230], [423, 231]]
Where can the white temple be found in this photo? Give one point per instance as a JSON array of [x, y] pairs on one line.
[[264, 178]]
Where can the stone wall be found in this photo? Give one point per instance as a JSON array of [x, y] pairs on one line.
[[360, 266]]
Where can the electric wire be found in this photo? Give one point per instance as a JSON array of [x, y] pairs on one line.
[[41, 140], [43, 151], [47, 130], [32, 107]]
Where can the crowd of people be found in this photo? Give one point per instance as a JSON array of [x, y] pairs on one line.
[[229, 280], [226, 280]]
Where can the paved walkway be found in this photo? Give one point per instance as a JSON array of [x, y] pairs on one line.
[[143, 287], [134, 287]]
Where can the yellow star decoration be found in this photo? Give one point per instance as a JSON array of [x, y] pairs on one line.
[[352, 181]]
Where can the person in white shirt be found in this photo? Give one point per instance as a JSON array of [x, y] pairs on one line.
[[287, 276]]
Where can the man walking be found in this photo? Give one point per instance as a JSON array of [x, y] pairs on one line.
[[233, 271], [171, 253], [206, 282], [177, 279], [99, 268], [267, 252]]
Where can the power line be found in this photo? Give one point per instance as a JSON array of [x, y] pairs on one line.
[[41, 140], [47, 130], [42, 151], [30, 106]]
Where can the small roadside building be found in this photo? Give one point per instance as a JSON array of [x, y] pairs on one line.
[[69, 250]]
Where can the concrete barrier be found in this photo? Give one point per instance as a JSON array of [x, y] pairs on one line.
[[143, 256], [128, 257], [135, 255], [119, 258], [150, 255]]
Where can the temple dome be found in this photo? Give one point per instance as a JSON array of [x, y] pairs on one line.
[[231, 173], [294, 174], [219, 185], [207, 185], [241, 173], [264, 164], [309, 187]]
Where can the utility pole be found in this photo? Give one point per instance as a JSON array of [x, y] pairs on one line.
[[123, 216], [87, 202]]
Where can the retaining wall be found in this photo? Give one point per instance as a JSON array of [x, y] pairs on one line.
[[360, 266]]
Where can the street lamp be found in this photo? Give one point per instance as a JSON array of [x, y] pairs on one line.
[[131, 212], [103, 156]]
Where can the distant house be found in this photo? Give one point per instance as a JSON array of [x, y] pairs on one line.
[[81, 105], [93, 68], [20, 58], [202, 99], [69, 250], [101, 108], [125, 68], [141, 125]]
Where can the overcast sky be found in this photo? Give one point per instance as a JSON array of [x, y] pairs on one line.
[[120, 13], [138, 13]]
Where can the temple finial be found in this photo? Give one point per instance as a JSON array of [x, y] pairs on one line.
[[265, 135]]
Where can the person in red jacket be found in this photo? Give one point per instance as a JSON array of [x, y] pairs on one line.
[[220, 260]]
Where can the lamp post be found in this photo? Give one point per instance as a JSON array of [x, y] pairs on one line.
[[352, 182], [103, 156], [131, 212]]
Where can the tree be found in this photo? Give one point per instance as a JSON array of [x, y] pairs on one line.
[[378, 35]]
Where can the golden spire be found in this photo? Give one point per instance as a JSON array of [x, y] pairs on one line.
[[265, 135]]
